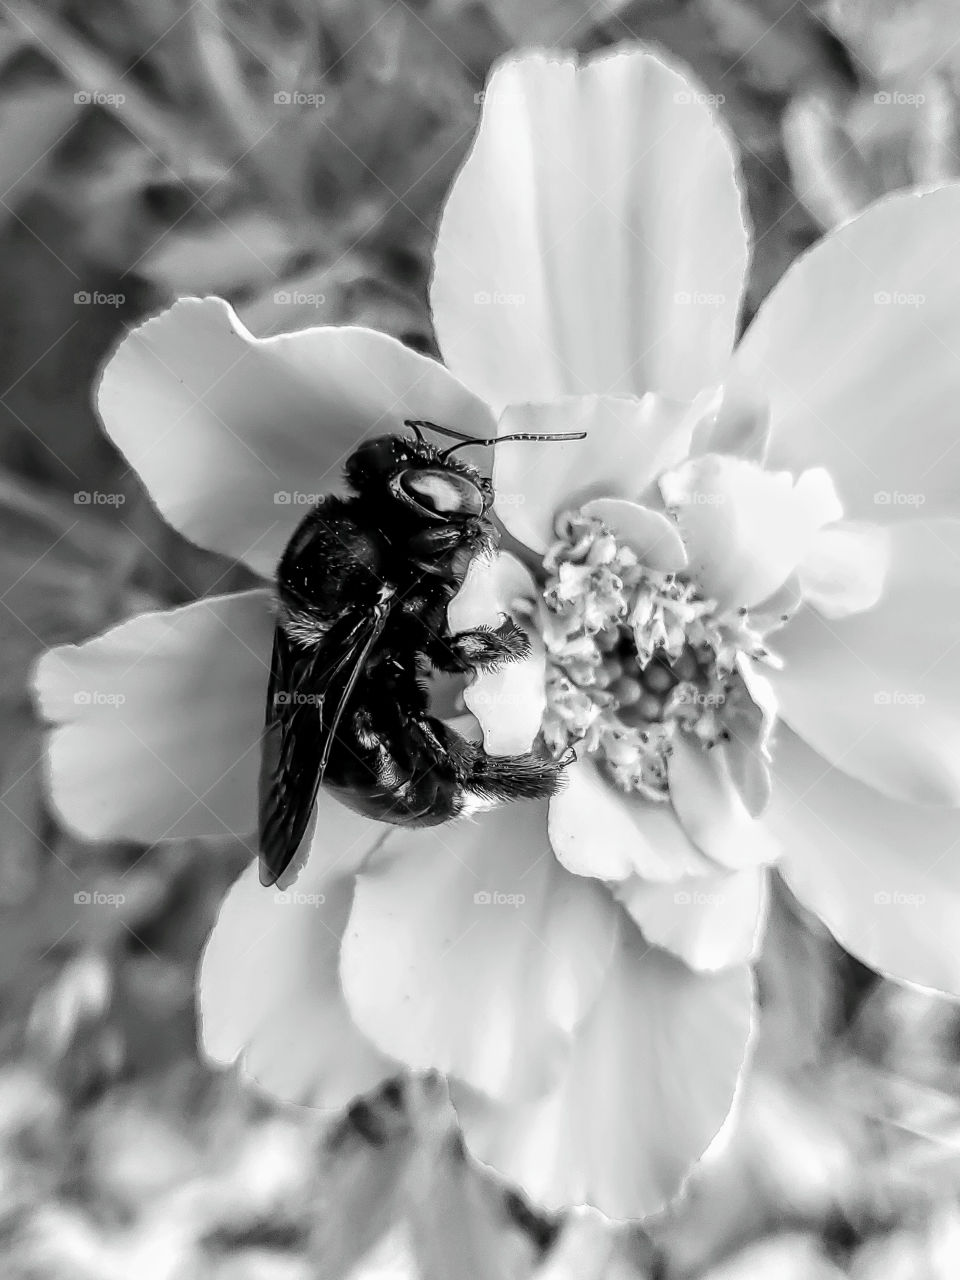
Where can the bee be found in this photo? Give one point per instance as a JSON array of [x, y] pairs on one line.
[[362, 591]]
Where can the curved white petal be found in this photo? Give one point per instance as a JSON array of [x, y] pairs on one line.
[[845, 568], [735, 420], [746, 529], [858, 348], [711, 921], [649, 1082], [269, 982], [650, 535], [470, 950], [883, 876], [598, 831], [710, 808], [508, 702], [157, 722], [234, 436], [628, 444], [593, 240], [878, 692]]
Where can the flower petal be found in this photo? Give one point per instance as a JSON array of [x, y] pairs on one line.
[[844, 570], [710, 922], [508, 702], [593, 240], [269, 985], [736, 421], [883, 876], [629, 443], [857, 348], [746, 529], [640, 1098], [158, 721], [471, 951], [710, 809], [598, 831], [878, 693], [234, 435], [647, 533]]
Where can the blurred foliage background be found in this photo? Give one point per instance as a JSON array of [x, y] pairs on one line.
[[155, 147]]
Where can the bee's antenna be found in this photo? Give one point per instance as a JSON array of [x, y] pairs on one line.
[[416, 423], [521, 435]]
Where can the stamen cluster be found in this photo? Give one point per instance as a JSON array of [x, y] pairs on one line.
[[634, 656]]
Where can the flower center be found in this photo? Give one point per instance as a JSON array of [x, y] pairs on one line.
[[634, 657]]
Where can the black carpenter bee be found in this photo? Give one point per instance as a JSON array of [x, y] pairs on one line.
[[362, 592]]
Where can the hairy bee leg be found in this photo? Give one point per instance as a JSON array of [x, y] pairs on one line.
[[479, 649], [505, 778]]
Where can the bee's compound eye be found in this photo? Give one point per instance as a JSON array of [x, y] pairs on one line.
[[441, 493]]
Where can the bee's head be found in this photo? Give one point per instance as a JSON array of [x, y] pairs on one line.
[[417, 476]]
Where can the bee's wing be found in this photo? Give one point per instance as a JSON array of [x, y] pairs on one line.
[[307, 693]]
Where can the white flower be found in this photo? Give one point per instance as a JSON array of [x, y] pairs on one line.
[[749, 518]]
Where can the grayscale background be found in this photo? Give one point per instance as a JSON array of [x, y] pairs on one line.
[[150, 148]]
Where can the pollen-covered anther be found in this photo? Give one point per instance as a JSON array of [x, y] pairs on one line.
[[634, 656]]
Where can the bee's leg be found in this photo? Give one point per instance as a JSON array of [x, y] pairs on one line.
[[479, 649], [499, 778]]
